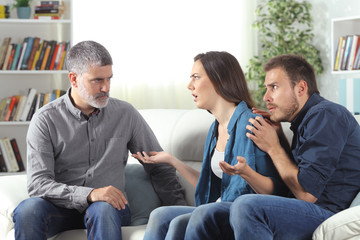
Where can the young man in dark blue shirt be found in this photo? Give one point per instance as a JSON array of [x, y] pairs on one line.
[[322, 170]]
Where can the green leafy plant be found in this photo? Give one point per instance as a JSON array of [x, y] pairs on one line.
[[21, 3], [285, 26]]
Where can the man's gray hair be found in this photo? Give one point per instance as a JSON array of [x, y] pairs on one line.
[[87, 54]]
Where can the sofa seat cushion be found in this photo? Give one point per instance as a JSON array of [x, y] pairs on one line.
[[141, 195]]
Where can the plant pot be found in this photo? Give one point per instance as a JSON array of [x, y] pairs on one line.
[[23, 12]]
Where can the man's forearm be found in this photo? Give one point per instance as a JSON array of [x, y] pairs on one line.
[[166, 184], [62, 195], [288, 171]]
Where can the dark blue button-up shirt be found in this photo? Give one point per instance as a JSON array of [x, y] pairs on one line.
[[326, 148]]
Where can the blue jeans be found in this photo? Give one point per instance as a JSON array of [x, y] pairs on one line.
[[210, 221], [256, 216], [37, 218], [168, 223]]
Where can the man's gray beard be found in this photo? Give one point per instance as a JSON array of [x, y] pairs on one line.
[[92, 100]]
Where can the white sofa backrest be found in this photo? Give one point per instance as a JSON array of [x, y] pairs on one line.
[[181, 133]]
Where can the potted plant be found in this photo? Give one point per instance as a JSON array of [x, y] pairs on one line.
[[285, 26], [22, 8]]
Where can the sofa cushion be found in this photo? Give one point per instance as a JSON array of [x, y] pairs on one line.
[[12, 192], [356, 201], [343, 225], [180, 132], [189, 136], [141, 195]]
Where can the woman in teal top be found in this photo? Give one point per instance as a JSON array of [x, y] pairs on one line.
[[232, 165]]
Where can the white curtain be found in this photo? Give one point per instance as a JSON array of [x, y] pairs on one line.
[[153, 42]]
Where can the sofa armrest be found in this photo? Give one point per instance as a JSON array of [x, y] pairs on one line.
[[343, 225], [12, 192]]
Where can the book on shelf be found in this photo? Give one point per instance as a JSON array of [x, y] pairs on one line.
[[52, 64], [7, 106], [33, 53], [51, 54], [3, 50], [11, 58], [62, 63], [46, 56], [23, 48], [13, 101], [9, 156], [41, 55], [32, 108], [342, 50], [7, 56], [29, 45], [4, 11], [20, 108], [353, 48], [357, 59], [46, 10], [346, 52], [58, 55], [57, 2], [2, 106], [29, 101], [37, 55], [39, 101], [51, 10], [3, 167], [17, 154], [14, 110], [5, 103], [46, 17], [17, 56]]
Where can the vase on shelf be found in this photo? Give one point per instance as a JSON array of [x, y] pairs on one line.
[[23, 12]]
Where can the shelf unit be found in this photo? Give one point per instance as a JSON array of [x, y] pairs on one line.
[[17, 82], [343, 27], [348, 80]]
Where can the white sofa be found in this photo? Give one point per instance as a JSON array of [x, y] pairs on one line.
[[182, 133]]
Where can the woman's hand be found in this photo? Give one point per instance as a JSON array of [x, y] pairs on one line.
[[237, 169], [154, 157]]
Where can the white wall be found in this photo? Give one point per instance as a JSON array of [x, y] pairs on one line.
[[153, 42], [323, 11]]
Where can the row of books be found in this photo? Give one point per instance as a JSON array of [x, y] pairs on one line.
[[347, 55], [49, 9], [10, 157], [33, 54], [4, 11], [22, 108]]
